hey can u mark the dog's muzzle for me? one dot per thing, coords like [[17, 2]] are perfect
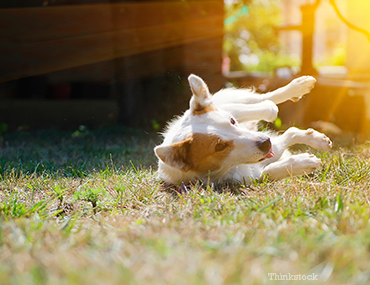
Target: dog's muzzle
[[265, 147]]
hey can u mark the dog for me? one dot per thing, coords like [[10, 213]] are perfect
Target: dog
[[214, 141]]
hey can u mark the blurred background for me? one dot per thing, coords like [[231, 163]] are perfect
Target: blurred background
[[101, 63]]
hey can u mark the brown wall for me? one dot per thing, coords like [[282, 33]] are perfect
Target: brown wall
[[137, 54]]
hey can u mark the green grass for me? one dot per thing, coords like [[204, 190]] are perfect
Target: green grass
[[87, 208]]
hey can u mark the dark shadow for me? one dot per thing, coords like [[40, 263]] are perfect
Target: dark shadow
[[75, 154]]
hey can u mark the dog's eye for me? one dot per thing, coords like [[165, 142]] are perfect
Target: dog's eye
[[232, 121], [220, 146]]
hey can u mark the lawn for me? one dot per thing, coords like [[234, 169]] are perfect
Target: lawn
[[85, 207]]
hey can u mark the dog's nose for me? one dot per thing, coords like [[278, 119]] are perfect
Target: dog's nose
[[264, 145]]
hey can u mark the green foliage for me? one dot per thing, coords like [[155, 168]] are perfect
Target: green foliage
[[91, 195], [155, 125], [278, 123], [14, 206], [251, 41], [59, 192], [3, 128], [336, 58]]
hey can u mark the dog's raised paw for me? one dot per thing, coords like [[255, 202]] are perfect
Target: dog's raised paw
[[301, 86]]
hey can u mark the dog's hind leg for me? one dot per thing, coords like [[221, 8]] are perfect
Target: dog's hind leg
[[266, 110], [293, 91], [236, 96], [294, 136]]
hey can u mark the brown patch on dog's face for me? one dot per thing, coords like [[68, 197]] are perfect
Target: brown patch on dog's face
[[198, 152], [200, 110], [207, 152]]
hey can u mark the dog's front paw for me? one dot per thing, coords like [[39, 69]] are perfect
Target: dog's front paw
[[301, 86], [318, 140], [304, 163]]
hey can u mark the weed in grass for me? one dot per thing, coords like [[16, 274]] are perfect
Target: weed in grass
[[59, 192], [91, 195], [13, 206]]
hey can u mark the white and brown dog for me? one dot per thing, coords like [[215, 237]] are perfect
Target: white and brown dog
[[210, 143]]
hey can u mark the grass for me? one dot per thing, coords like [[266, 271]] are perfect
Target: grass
[[86, 208]]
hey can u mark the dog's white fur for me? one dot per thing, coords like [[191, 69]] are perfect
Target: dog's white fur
[[213, 140]]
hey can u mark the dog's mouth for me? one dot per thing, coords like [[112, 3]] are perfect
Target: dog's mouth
[[268, 155]]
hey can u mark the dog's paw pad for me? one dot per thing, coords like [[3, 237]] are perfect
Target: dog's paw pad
[[327, 141], [309, 131]]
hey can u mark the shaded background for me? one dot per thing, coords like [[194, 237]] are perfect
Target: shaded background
[[67, 63], [101, 63]]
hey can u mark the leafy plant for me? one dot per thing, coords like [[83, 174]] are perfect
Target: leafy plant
[[251, 41], [59, 192], [91, 195]]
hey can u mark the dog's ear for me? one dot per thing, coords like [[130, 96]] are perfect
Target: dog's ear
[[175, 155], [201, 98]]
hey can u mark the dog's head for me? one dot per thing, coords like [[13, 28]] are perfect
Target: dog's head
[[208, 140]]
